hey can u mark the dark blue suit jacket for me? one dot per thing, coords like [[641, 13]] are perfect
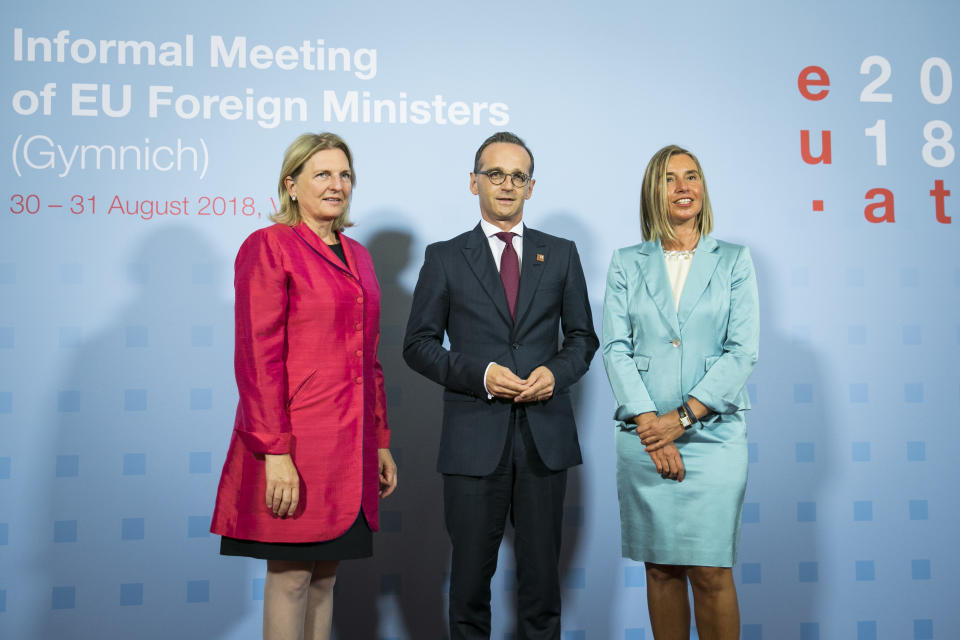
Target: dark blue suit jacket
[[459, 293]]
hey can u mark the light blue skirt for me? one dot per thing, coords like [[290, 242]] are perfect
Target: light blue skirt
[[694, 522]]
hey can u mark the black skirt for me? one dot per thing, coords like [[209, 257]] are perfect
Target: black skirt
[[357, 542]]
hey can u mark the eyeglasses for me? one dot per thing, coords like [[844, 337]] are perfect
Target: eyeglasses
[[495, 176]]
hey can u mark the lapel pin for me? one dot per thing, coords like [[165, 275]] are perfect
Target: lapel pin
[[540, 257]]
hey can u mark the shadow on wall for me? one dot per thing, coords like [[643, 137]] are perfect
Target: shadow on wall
[[793, 463], [590, 558], [144, 415], [406, 578]]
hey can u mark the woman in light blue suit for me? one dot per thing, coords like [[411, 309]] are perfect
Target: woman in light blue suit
[[680, 333]]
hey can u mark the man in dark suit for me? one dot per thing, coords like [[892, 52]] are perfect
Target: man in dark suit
[[502, 292]]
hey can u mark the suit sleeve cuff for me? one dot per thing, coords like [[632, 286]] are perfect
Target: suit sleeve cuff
[[626, 412], [271, 443]]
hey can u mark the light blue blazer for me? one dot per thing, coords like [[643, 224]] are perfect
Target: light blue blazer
[[657, 356]]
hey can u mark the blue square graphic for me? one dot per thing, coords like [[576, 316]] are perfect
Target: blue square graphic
[[750, 573], [857, 334], [863, 510], [202, 273], [753, 452], [5, 468], [68, 466], [509, 580], [799, 277], [860, 452], [635, 633], [70, 337], [198, 591], [4, 534], [139, 272], [131, 594], [804, 452], [864, 571], [855, 277], [867, 630], [800, 334], [65, 531], [134, 464], [751, 632], [913, 392], [575, 634], [923, 630], [806, 512], [391, 521], [68, 401], [808, 572], [6, 402], [71, 273], [198, 526], [909, 277], [573, 516], [135, 400], [751, 512], [391, 583], [6, 338], [394, 395], [137, 336], [911, 334], [201, 399], [132, 529], [634, 576], [256, 589], [919, 510], [200, 462], [916, 451], [575, 578], [803, 393], [858, 392], [63, 598], [809, 631], [8, 273], [920, 569], [201, 335]]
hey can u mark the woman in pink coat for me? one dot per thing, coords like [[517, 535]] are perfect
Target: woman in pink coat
[[309, 458]]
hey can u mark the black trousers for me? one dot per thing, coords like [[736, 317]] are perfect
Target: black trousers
[[476, 510]]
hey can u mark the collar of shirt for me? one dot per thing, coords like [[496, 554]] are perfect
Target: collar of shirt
[[497, 245]]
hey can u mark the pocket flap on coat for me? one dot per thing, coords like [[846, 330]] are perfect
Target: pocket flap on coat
[[642, 362]]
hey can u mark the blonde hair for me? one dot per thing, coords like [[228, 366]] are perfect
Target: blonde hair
[[654, 203], [297, 155]]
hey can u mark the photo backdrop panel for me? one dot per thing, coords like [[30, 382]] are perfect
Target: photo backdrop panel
[[143, 145]]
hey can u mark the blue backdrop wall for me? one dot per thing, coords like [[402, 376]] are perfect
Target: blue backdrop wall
[[142, 145]]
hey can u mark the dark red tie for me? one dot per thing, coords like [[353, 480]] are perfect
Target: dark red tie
[[510, 271]]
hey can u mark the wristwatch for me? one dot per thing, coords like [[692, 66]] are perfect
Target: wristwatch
[[685, 420]]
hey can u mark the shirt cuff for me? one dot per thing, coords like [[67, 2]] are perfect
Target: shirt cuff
[[489, 395]]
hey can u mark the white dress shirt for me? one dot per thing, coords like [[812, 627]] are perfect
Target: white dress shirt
[[497, 245]]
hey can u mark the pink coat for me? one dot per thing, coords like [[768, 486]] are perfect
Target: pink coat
[[307, 331]]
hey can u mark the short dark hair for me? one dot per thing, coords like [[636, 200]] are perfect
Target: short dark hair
[[502, 136]]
